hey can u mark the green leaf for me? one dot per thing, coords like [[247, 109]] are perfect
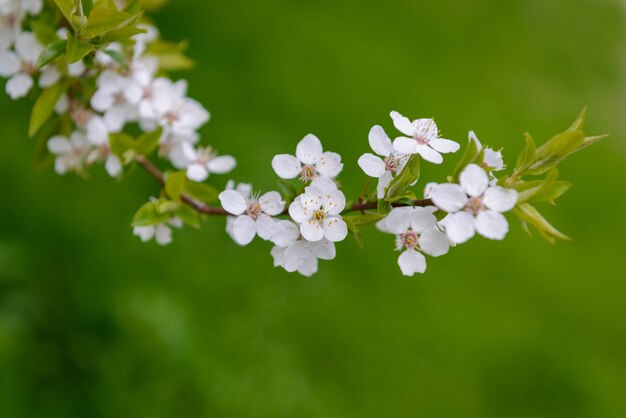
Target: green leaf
[[120, 143], [148, 142], [103, 20], [288, 189], [383, 207], [469, 156], [170, 55], [77, 49], [555, 150], [579, 123], [133, 6], [189, 216], [529, 215], [201, 191], [44, 107], [365, 219], [528, 154], [51, 52], [121, 34], [117, 57], [149, 214], [175, 184], [67, 7], [401, 182]]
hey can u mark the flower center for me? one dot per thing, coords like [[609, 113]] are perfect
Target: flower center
[[254, 209], [308, 172], [474, 205], [81, 116], [319, 215], [171, 117], [119, 98], [409, 239], [421, 139], [392, 163], [28, 67]]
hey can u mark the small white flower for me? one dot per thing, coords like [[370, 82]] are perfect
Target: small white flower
[[112, 163], [70, 152], [382, 168], [253, 213], [203, 161], [474, 206], [91, 123], [416, 232], [162, 233], [12, 13], [111, 99], [309, 163], [20, 66], [294, 253], [318, 213], [422, 137], [166, 103], [492, 160]]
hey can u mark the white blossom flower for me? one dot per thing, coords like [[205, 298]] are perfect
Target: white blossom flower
[[319, 214], [294, 253], [204, 161], [422, 137], [112, 163], [310, 161], [492, 160], [91, 123], [20, 66], [162, 233], [12, 13], [474, 206], [416, 233], [70, 152], [382, 168], [253, 213], [111, 98]]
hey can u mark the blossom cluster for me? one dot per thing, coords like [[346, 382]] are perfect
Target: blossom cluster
[[97, 83]]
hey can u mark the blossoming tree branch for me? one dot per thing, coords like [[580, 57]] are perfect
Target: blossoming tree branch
[[96, 70]]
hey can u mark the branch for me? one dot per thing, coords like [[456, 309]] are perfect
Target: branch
[[199, 207]]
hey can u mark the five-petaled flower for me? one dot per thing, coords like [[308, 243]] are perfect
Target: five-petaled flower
[[422, 137], [253, 213], [382, 168], [70, 152], [474, 206], [310, 162], [416, 233]]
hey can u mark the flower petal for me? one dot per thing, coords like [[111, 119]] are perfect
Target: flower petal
[[335, 229], [222, 164], [448, 197], [405, 145], [163, 234], [265, 226], [425, 128], [434, 242], [500, 199], [19, 85], [233, 202], [272, 203], [312, 230], [308, 267], [285, 233], [444, 145], [428, 153], [309, 150], [286, 166], [422, 219], [459, 226], [383, 183], [323, 249], [197, 172], [334, 202], [402, 124], [329, 164], [411, 262], [474, 180], [59, 145], [9, 63], [491, 224], [379, 141], [397, 221], [298, 212], [113, 165], [244, 230], [372, 165]]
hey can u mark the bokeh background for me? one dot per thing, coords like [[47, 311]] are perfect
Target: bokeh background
[[94, 323]]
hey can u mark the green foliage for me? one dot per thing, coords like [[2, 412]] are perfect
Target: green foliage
[[77, 49], [44, 107], [529, 215], [51, 52], [470, 155], [171, 55], [102, 20], [399, 187], [152, 213]]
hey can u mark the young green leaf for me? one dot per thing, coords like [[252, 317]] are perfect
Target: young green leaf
[[175, 184], [51, 52], [149, 214], [528, 154], [67, 7], [579, 123], [201, 191], [555, 150], [44, 107], [103, 20], [529, 215], [77, 49], [469, 156], [400, 184], [148, 142]]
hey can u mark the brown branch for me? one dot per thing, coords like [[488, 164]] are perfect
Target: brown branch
[[200, 207]]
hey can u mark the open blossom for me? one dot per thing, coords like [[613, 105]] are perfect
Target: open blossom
[[203, 161], [70, 152], [474, 206], [382, 168], [416, 233], [492, 160], [162, 233], [20, 66], [111, 98], [310, 161], [422, 137], [294, 253], [112, 163], [91, 123], [318, 211], [253, 213], [12, 13]]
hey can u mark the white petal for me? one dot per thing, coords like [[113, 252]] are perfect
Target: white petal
[[101, 100], [493, 159], [402, 124], [422, 219], [444, 145], [405, 145], [189, 151], [313, 198], [329, 164], [265, 226], [425, 128], [145, 233], [163, 235], [113, 165], [308, 267], [380, 142], [233, 202], [434, 242], [323, 183], [115, 118], [19, 85], [311, 230], [309, 150], [279, 256], [474, 180], [97, 131], [459, 226], [49, 76], [285, 233], [335, 229], [59, 145], [323, 249], [244, 230], [372, 165], [295, 255], [334, 202], [286, 166], [62, 105], [412, 262], [383, 183], [298, 212], [9, 63], [222, 164], [272, 203], [492, 225], [397, 222], [428, 153], [449, 197], [27, 47], [197, 172], [500, 199]]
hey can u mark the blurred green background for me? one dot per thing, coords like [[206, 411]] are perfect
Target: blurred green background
[[93, 323]]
